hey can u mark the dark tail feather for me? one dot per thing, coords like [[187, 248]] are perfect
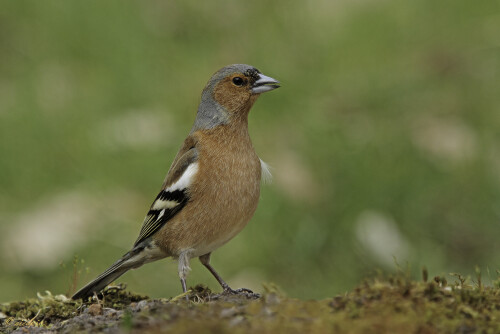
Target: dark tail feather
[[131, 260]]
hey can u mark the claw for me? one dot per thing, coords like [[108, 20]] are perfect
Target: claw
[[241, 292]]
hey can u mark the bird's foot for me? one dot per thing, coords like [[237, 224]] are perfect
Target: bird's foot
[[240, 292]]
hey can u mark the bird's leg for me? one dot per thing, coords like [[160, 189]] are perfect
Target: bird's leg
[[183, 270], [183, 283], [205, 260]]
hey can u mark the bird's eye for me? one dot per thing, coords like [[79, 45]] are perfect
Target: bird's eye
[[238, 81]]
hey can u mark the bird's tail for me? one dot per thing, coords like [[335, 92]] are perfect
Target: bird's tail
[[133, 259]]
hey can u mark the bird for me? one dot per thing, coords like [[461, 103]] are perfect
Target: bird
[[212, 188]]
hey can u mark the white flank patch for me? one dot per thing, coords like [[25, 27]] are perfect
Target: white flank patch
[[267, 177], [186, 179], [164, 204]]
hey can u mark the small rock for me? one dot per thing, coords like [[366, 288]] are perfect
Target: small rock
[[228, 312], [140, 306], [109, 312], [236, 321], [95, 309]]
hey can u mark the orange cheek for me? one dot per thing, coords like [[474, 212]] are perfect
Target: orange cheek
[[232, 98]]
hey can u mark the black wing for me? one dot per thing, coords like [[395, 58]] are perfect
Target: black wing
[[165, 206]]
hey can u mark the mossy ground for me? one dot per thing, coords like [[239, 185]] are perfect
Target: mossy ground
[[394, 304]]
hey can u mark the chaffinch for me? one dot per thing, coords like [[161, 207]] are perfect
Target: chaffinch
[[212, 188]]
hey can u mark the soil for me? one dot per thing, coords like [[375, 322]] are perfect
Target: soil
[[394, 304]]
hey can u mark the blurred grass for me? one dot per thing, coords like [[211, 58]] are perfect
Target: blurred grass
[[388, 110]]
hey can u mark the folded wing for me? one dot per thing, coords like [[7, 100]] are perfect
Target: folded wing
[[174, 195]]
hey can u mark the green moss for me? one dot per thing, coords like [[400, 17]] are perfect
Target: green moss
[[393, 304], [39, 312], [118, 298], [48, 309]]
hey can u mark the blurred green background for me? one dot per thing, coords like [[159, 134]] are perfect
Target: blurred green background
[[384, 138]]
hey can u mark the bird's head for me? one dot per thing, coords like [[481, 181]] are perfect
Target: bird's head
[[230, 93]]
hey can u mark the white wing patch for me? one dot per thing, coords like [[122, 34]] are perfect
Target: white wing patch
[[186, 179], [267, 177], [164, 204]]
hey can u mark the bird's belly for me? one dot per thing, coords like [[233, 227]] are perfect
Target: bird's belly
[[214, 215], [208, 246], [225, 220]]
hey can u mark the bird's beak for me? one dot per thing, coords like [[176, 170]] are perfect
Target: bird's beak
[[264, 84]]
